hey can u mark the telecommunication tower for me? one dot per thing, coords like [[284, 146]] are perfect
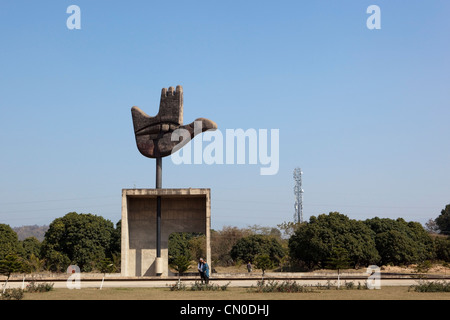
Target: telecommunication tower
[[298, 191]]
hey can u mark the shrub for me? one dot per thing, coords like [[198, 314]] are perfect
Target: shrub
[[431, 286], [208, 287], [285, 286], [349, 285], [32, 287], [179, 286], [12, 294], [424, 267]]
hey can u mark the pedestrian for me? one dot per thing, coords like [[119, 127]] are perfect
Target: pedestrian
[[200, 270], [205, 269], [249, 267]]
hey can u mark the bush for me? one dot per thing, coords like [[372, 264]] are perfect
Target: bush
[[32, 287], [431, 286], [327, 286], [285, 286], [179, 286], [208, 287], [423, 267], [12, 294]]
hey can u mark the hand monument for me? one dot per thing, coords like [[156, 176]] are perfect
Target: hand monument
[[154, 134]]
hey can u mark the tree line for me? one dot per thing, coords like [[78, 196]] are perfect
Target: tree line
[[326, 240], [86, 240]]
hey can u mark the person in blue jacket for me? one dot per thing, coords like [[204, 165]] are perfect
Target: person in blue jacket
[[205, 269]]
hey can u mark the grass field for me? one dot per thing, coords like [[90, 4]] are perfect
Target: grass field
[[386, 293]]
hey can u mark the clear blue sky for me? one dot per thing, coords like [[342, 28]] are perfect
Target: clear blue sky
[[365, 113]]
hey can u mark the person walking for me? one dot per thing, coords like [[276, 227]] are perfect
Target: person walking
[[200, 270], [249, 267], [205, 268]]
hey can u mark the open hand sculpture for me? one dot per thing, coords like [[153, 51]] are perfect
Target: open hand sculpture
[[154, 134]]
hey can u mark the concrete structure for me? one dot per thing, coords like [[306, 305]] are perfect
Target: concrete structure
[[182, 210]]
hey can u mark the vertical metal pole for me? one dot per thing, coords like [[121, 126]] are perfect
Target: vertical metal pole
[[158, 206], [158, 173]]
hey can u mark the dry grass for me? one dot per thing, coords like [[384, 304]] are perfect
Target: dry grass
[[436, 268], [386, 293]]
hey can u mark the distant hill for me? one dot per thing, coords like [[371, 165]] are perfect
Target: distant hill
[[24, 232]]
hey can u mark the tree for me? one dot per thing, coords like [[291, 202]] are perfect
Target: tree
[[222, 241], [197, 246], [80, 239], [116, 239], [54, 260], [181, 264], [312, 243], [247, 248], [31, 246], [289, 228], [265, 231], [443, 221], [399, 242], [105, 266], [263, 262], [442, 245], [339, 260], [9, 265], [9, 242], [34, 264], [431, 226], [396, 248], [182, 244]]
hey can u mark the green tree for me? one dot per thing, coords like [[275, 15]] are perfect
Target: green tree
[[442, 247], [183, 244], [80, 239], [263, 262], [181, 264], [179, 245], [31, 246], [312, 243], [105, 266], [339, 260], [247, 248], [443, 221], [396, 248], [9, 242], [54, 260], [116, 237], [399, 242], [9, 265], [34, 264]]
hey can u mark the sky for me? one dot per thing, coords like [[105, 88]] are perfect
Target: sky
[[364, 112]]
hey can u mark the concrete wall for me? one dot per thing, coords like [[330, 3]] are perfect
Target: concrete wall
[[182, 210]]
